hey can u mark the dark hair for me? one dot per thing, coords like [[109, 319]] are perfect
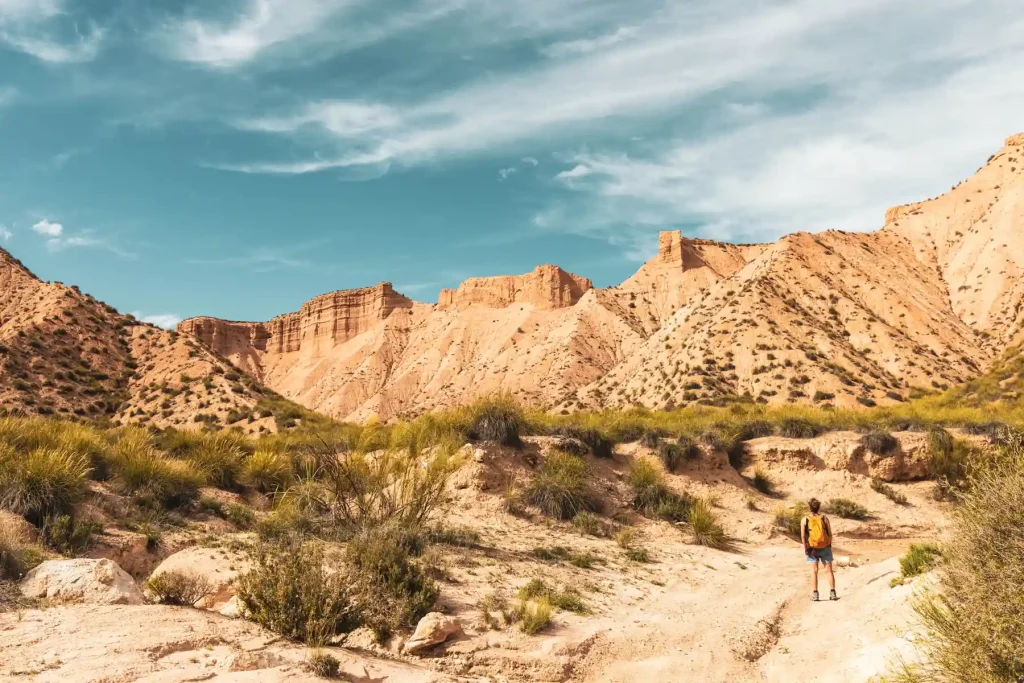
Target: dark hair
[[815, 505]]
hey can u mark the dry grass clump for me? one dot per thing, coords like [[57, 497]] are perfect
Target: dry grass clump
[[536, 599], [763, 482], [499, 418], [705, 527], [847, 509], [561, 488], [787, 520], [888, 491], [879, 442], [534, 614], [323, 664], [181, 589], [652, 496], [153, 478], [17, 554], [269, 471], [798, 428], [673, 455], [972, 621], [44, 483]]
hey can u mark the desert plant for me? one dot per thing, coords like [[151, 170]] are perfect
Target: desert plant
[[847, 509], [392, 592], [626, 538], [567, 600], [534, 615], [456, 536], [598, 444], [640, 555], [67, 535], [652, 496], [788, 520], [797, 428], [764, 482], [182, 589], [219, 458], [673, 455], [889, 492], [17, 554], [44, 483], [498, 418], [141, 470], [268, 471], [971, 623], [288, 591], [705, 527], [919, 558], [495, 603], [940, 442], [879, 442], [241, 516], [589, 524], [323, 664], [561, 487]]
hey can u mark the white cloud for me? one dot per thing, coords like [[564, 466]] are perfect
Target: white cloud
[[5, 234], [167, 321], [530, 161], [44, 28], [577, 171], [588, 45], [504, 173], [45, 227]]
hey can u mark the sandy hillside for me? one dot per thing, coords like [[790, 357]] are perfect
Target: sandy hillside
[[686, 613], [64, 353], [928, 301]]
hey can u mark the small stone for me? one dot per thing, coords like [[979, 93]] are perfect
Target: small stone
[[433, 629]]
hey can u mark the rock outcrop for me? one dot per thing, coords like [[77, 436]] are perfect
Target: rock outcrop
[[433, 629], [843, 451], [95, 582], [546, 287], [218, 567]]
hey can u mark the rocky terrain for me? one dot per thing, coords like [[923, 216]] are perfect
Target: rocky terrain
[[926, 302]]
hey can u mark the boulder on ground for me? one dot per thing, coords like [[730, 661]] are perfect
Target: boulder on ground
[[218, 566], [433, 629], [98, 582]]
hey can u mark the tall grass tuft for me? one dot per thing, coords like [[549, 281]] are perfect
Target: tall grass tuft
[[499, 418], [705, 527], [44, 483], [879, 442], [139, 469], [652, 496], [268, 471], [561, 488]]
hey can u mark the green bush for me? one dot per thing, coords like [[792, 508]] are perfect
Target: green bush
[[392, 592], [67, 535], [589, 524], [220, 460], [561, 487], [534, 615], [879, 442], [44, 483], [919, 558], [141, 470], [568, 600], [288, 591], [181, 589]]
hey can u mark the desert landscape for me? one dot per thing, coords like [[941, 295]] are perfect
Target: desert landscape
[[535, 479]]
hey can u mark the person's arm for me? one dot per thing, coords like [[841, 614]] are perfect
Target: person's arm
[[828, 527]]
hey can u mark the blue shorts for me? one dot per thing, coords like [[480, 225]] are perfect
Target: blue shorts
[[824, 555]]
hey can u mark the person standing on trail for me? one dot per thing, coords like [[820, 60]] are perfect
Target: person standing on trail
[[816, 535]]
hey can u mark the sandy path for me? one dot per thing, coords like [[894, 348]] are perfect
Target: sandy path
[[752, 620]]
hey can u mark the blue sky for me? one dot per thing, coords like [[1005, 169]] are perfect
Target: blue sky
[[236, 158]]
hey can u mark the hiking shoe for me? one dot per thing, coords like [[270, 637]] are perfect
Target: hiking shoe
[[814, 596], [832, 595]]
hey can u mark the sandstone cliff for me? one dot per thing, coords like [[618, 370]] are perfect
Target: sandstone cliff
[[928, 301]]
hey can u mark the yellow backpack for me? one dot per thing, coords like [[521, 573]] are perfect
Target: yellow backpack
[[818, 535]]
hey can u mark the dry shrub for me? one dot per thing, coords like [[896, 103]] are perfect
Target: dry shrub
[[972, 622], [847, 509], [879, 442], [787, 520], [182, 589], [498, 418], [889, 492], [673, 455], [798, 428], [652, 496], [322, 664], [139, 469], [705, 527], [289, 592], [17, 554]]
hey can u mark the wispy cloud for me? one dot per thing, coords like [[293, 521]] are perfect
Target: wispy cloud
[[58, 239], [168, 321], [45, 30], [5, 233]]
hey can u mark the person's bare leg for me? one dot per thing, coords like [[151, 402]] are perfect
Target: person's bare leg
[[831, 576], [814, 577]]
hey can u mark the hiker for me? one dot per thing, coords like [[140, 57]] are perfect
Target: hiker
[[816, 534]]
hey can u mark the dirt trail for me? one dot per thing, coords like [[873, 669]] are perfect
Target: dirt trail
[[753, 621]]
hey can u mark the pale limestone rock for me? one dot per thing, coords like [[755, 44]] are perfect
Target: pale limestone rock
[[220, 567], [433, 629], [99, 582]]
